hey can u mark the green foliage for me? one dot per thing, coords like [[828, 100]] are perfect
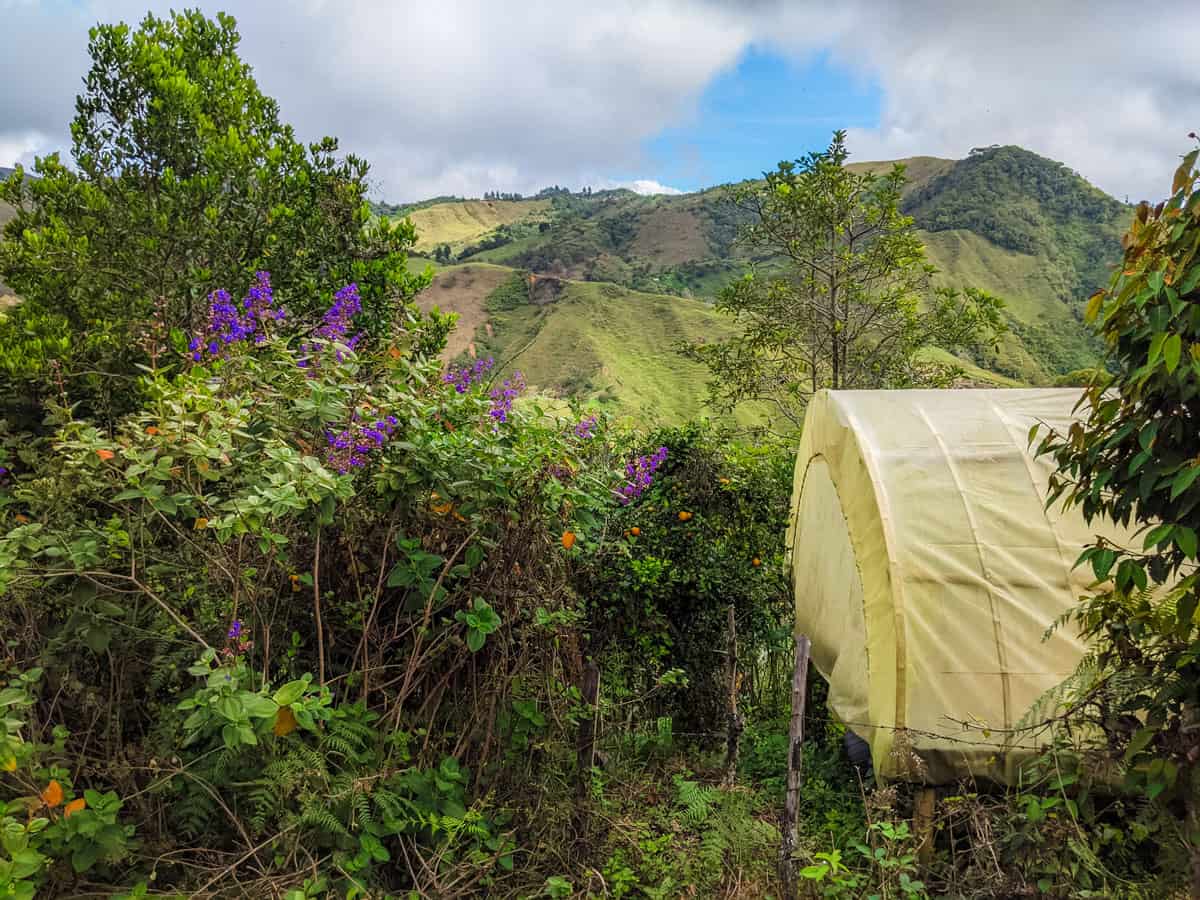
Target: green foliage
[[1029, 204], [703, 537], [1134, 460], [46, 819], [173, 142], [512, 293], [854, 303]]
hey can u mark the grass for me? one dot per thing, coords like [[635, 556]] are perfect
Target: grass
[[462, 222], [614, 346]]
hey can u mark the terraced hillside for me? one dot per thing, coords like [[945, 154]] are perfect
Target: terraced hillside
[[1003, 219]]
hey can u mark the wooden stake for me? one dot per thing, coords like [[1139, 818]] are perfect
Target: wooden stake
[[923, 824], [795, 761], [733, 739]]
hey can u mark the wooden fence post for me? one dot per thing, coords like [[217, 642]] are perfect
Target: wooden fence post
[[733, 738], [795, 759]]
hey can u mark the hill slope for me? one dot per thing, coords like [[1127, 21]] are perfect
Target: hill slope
[[604, 343], [1003, 219]]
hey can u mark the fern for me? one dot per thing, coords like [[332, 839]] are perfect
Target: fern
[[695, 799]]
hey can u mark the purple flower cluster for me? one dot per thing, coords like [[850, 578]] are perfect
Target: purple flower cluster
[[349, 448], [640, 472], [585, 428], [335, 324], [338, 318], [462, 378], [231, 323], [235, 630], [503, 396]]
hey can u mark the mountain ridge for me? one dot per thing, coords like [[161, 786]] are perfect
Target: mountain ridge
[[1003, 219]]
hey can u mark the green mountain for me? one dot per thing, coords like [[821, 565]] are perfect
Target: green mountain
[[1003, 219]]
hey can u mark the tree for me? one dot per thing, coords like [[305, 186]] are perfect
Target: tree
[[844, 297], [1135, 458], [185, 181]]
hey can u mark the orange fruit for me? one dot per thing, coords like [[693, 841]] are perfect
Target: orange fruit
[[635, 531], [756, 562], [568, 539], [684, 516]]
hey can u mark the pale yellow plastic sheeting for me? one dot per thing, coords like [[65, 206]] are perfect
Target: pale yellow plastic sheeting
[[927, 571]]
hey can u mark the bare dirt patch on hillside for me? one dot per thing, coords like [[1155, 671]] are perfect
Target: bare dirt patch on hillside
[[462, 290], [668, 236]]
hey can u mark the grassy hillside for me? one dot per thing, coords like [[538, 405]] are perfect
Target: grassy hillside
[[608, 344], [461, 223], [1003, 219]]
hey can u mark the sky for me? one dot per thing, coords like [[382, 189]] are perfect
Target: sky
[[465, 96]]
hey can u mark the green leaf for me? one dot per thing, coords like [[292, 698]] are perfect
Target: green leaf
[[1141, 738], [1185, 540], [290, 693], [230, 707], [1158, 535], [1171, 350], [1102, 563], [259, 707], [475, 639], [1184, 480], [1156, 344]]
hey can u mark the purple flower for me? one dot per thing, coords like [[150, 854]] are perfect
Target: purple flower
[[584, 430], [335, 324], [640, 472], [338, 318], [235, 630], [348, 448], [503, 396], [463, 377], [231, 323]]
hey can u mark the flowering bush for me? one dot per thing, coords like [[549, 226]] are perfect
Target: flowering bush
[[282, 555]]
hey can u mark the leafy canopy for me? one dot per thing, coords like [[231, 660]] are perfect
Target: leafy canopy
[[1135, 459], [851, 306], [184, 179]]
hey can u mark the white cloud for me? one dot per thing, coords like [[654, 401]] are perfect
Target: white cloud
[[1105, 89], [472, 95], [646, 186]]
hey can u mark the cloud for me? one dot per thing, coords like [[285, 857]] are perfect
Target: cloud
[[641, 186], [1099, 86], [474, 95]]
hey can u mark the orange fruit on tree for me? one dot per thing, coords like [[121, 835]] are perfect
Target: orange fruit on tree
[[756, 562], [635, 531], [684, 516]]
